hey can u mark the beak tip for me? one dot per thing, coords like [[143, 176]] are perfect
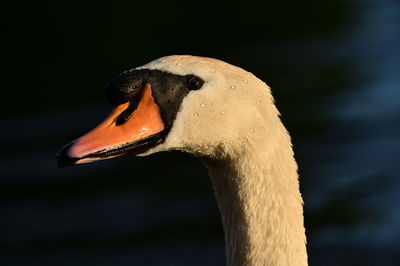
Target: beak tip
[[63, 159]]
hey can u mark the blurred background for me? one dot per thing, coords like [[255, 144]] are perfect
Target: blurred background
[[334, 67]]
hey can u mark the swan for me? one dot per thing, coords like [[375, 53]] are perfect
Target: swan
[[225, 116]]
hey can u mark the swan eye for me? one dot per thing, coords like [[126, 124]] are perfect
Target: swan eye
[[195, 83]]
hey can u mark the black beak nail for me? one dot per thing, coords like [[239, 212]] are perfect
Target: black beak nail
[[62, 157]]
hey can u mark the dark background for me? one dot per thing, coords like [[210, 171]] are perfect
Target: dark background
[[334, 67]]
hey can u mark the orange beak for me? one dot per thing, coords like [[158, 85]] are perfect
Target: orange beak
[[140, 129]]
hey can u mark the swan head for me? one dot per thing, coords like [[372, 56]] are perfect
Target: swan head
[[193, 104]]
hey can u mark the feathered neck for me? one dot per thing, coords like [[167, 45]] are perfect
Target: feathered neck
[[261, 208]]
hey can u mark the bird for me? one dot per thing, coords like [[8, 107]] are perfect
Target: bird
[[227, 117]]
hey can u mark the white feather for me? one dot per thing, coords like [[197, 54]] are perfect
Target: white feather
[[234, 126]]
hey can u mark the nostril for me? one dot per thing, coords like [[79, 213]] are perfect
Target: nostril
[[126, 114]]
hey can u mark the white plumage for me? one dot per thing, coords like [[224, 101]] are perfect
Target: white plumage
[[234, 126]]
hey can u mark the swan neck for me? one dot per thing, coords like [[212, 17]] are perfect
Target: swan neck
[[261, 206]]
